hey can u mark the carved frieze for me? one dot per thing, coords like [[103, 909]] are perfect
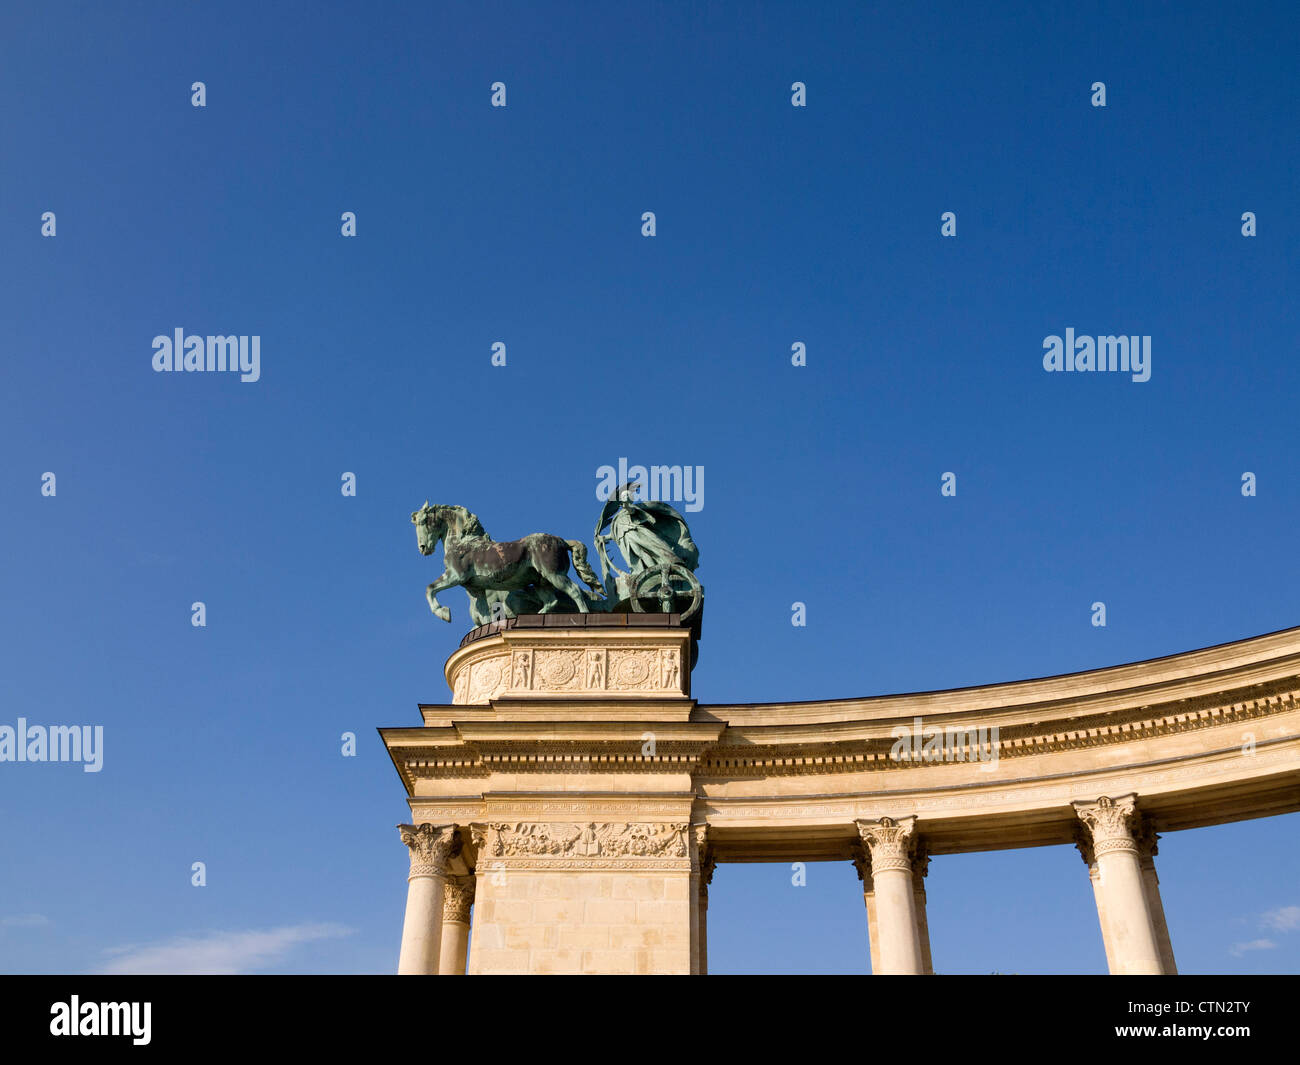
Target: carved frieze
[[524, 670], [488, 678], [557, 670], [577, 844]]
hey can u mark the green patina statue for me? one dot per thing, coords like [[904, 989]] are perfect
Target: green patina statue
[[656, 545], [531, 575]]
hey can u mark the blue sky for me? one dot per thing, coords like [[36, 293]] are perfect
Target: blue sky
[[476, 224]]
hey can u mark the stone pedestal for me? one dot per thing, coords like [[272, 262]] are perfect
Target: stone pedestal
[[567, 755], [588, 895], [585, 658]]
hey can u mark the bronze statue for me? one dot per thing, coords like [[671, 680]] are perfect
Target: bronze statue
[[537, 565], [531, 575]]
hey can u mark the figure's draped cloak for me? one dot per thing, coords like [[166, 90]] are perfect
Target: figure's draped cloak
[[652, 531]]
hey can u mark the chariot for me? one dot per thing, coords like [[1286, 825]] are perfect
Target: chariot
[[662, 576]]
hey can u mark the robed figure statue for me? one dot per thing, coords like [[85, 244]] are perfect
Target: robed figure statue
[[654, 541]]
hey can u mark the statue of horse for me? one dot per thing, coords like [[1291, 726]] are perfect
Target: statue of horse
[[532, 572]]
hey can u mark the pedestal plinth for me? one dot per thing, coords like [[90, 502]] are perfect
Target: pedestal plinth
[[585, 657]]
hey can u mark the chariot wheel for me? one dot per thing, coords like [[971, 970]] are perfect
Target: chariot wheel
[[664, 584]]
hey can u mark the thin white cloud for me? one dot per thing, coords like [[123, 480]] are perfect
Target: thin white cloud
[[1238, 949], [217, 953], [1283, 919], [24, 920]]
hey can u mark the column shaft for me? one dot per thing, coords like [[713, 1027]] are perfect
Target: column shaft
[[701, 876], [704, 931], [922, 928], [422, 927], [896, 939], [873, 929], [458, 897], [1151, 882], [900, 947], [1094, 875], [430, 847], [1123, 911], [1127, 912], [455, 942]]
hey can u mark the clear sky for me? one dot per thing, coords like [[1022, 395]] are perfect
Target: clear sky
[[523, 225]]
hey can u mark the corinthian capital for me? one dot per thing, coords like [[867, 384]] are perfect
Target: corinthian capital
[[862, 864], [890, 843], [703, 854], [1111, 824], [1147, 839], [457, 898], [920, 864], [431, 846]]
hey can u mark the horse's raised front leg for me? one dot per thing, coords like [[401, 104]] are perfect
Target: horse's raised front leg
[[431, 593]]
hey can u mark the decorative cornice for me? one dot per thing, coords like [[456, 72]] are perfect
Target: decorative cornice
[[541, 756], [1014, 741], [476, 748], [748, 756]]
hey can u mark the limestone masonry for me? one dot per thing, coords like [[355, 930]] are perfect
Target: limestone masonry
[[569, 805]]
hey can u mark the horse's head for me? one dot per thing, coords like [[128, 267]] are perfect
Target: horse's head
[[430, 527]]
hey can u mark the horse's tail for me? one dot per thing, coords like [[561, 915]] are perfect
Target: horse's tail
[[581, 564]]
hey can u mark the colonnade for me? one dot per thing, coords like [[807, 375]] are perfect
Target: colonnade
[[1118, 846], [435, 931], [1117, 843]]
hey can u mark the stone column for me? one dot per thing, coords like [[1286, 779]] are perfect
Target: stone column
[[862, 864], [457, 898], [891, 846], [1084, 842], [920, 868], [1125, 916], [705, 864], [430, 846], [1147, 840]]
